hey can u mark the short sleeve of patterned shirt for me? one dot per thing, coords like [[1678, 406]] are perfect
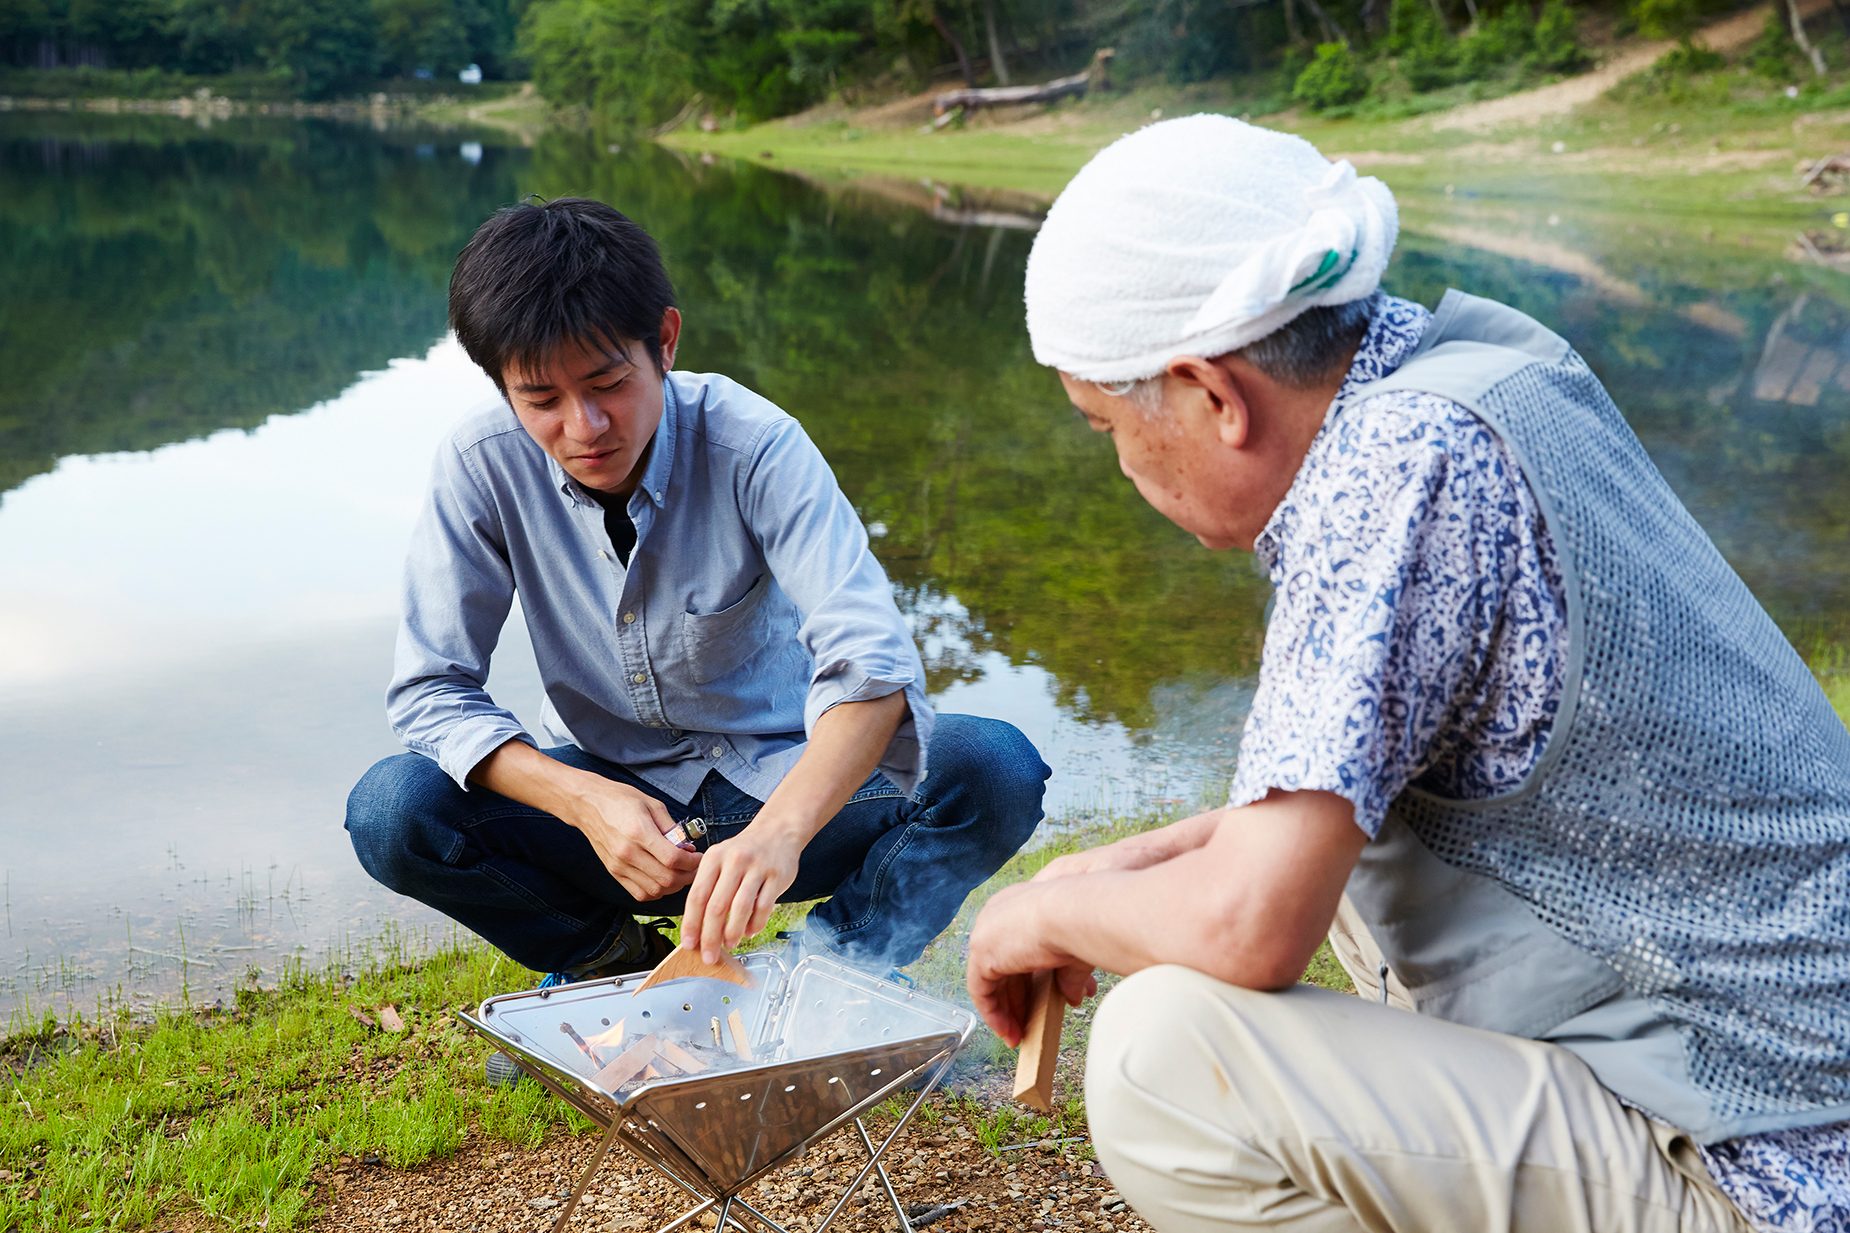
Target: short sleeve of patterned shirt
[[1418, 631]]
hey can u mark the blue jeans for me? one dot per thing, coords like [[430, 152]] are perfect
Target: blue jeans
[[895, 869]]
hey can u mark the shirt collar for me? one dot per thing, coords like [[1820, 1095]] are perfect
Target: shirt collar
[[655, 476], [1393, 335]]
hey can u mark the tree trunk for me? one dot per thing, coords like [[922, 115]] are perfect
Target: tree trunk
[[1332, 33], [950, 36], [1471, 8], [1805, 45], [1372, 21], [1843, 14], [1293, 32], [997, 64]]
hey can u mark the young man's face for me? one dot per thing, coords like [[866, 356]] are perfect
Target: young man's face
[[593, 410]]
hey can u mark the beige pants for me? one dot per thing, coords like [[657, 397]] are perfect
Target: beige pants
[[1219, 1108]]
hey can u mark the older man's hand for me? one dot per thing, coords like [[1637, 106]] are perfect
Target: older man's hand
[[1008, 945]]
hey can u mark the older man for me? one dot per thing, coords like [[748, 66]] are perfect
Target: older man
[[1523, 745]]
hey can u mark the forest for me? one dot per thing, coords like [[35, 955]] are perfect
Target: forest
[[302, 48], [644, 63]]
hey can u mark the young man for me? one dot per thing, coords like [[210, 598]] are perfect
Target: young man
[[739, 706], [1522, 744]]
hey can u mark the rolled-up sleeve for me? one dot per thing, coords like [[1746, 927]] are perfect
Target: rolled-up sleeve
[[458, 589], [818, 552]]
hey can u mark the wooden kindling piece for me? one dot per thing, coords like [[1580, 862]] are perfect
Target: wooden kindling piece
[[684, 962], [1040, 1044]]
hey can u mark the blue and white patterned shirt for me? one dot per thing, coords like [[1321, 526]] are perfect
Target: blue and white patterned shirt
[[1419, 638]]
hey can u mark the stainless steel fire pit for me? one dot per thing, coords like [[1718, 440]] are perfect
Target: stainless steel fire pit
[[825, 1043]]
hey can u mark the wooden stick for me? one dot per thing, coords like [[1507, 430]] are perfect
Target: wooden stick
[[630, 1063], [1040, 1045], [583, 1047], [741, 1043], [684, 962], [667, 1051]]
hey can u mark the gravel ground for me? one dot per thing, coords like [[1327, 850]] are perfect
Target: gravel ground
[[487, 1187]]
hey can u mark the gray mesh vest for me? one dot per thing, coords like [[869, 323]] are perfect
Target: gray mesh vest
[[1668, 893]]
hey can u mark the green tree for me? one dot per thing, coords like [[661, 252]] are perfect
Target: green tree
[[325, 47], [628, 60], [421, 34], [1334, 78]]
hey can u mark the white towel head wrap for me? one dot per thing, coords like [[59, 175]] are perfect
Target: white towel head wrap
[[1198, 236]]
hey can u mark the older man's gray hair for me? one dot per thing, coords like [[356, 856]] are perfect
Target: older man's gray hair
[[1304, 352]]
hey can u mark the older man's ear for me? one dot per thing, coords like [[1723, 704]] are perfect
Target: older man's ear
[[1216, 392]]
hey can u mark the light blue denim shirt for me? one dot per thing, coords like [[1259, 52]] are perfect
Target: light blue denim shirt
[[750, 606]]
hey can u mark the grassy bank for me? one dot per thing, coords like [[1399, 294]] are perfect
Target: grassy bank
[[236, 1117], [1637, 136]]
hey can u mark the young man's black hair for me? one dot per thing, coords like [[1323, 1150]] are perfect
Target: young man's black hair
[[537, 276]]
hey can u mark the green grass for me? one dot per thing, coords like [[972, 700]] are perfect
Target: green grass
[[226, 1113]]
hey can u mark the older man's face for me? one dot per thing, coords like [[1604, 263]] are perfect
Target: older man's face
[[1177, 460]]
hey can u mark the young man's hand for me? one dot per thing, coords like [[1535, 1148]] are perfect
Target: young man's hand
[[738, 885], [629, 831]]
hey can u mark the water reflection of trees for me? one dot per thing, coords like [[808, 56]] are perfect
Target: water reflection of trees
[[167, 283], [1733, 374]]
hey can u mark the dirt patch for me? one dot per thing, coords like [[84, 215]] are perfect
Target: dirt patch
[[938, 1165], [1544, 102]]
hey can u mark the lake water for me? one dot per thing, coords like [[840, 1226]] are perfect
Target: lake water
[[226, 371]]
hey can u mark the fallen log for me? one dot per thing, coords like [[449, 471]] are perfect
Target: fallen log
[[1095, 76], [1819, 173]]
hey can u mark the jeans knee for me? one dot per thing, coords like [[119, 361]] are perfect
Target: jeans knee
[[383, 808], [998, 766]]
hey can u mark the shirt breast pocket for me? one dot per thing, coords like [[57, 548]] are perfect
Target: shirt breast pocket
[[718, 642]]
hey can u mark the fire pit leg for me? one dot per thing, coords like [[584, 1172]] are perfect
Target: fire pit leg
[[725, 1216], [584, 1179], [874, 1153], [886, 1183]]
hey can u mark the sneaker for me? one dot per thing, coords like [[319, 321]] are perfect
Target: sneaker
[[639, 946]]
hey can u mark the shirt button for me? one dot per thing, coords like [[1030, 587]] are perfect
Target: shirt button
[[658, 496], [640, 677], [716, 751], [629, 618]]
